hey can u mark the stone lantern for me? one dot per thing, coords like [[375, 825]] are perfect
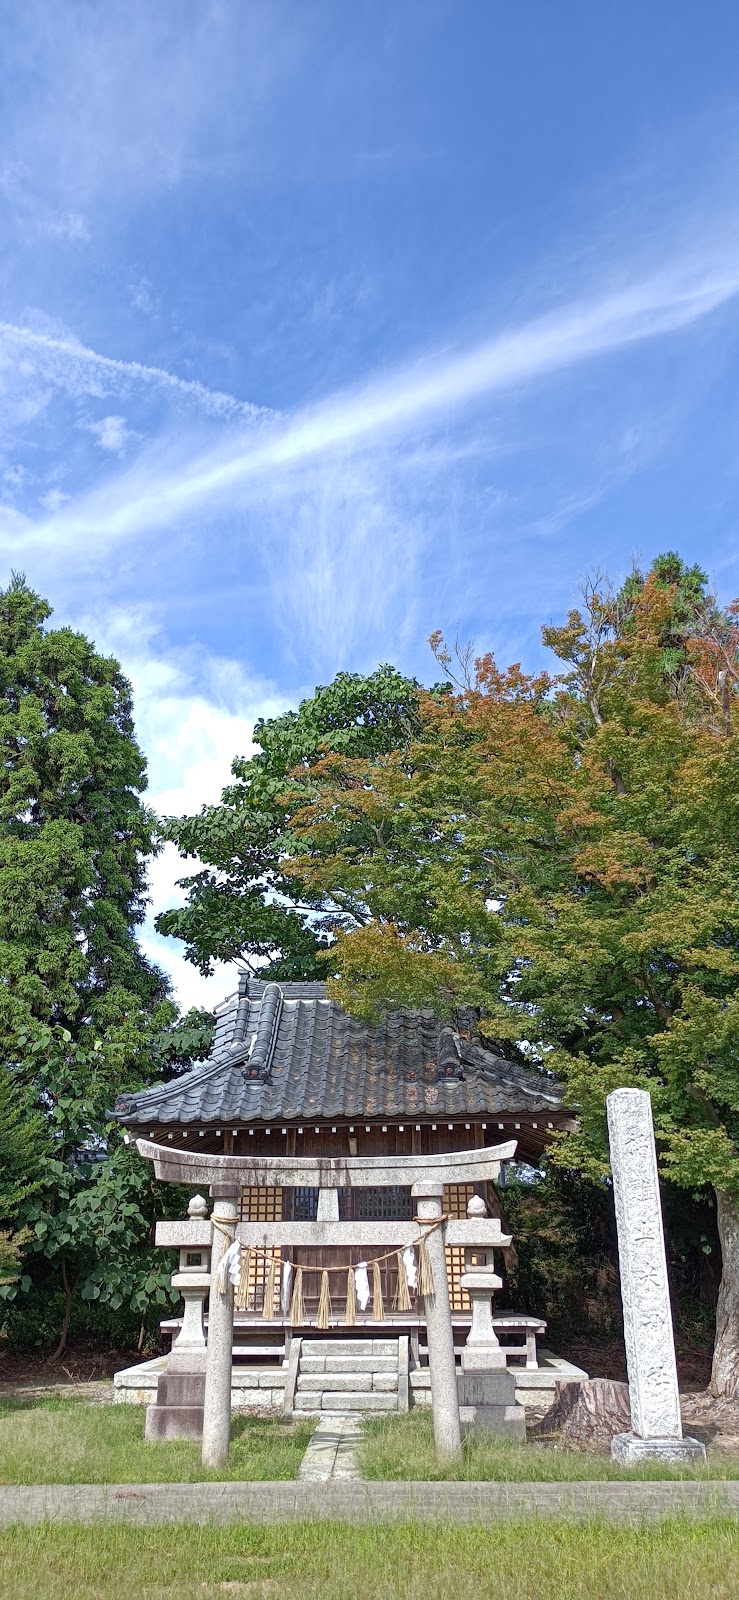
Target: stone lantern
[[177, 1412], [193, 1282], [482, 1352], [487, 1390]]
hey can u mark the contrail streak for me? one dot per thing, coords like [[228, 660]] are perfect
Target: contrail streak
[[541, 347]]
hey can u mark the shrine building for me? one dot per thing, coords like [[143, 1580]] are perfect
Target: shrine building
[[292, 1074]]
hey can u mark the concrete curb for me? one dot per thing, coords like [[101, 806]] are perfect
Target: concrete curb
[[348, 1501]]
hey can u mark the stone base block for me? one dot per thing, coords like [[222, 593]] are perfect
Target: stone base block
[[181, 1389], [506, 1422], [630, 1451], [483, 1389], [482, 1358], [177, 1412], [173, 1422], [257, 1399], [186, 1360]]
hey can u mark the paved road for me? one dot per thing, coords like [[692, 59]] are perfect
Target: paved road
[[346, 1500]]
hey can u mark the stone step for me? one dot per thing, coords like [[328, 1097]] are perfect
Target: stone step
[[348, 1363], [347, 1382], [328, 1400], [349, 1347]]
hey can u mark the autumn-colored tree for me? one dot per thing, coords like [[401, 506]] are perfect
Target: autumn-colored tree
[[563, 852]]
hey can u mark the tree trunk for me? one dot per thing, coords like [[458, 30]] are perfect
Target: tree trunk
[[725, 1370], [68, 1289], [588, 1413]]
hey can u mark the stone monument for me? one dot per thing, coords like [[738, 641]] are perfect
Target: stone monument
[[657, 1433]]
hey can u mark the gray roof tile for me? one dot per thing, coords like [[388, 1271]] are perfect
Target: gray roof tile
[[282, 1054]]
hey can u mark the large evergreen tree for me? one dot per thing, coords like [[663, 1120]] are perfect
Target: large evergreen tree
[[74, 833], [81, 1009]]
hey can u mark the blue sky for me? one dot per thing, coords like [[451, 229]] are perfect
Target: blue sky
[[325, 325]]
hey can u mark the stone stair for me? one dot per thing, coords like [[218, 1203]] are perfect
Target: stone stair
[[352, 1375]]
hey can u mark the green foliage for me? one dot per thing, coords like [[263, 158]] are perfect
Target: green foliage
[[89, 1218], [22, 1152], [563, 854], [565, 1246], [240, 906], [74, 835], [83, 1014]]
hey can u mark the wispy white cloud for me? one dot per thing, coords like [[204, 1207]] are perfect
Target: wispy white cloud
[[111, 433], [53, 499], [61, 360], [436, 386]]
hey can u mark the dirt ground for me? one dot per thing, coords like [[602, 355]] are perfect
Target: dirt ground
[[79, 1364], [607, 1359]]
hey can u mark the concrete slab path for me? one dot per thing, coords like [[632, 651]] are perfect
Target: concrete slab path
[[363, 1502], [331, 1452]]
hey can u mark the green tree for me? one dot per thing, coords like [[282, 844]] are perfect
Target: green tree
[[563, 854], [83, 1014], [23, 1147], [74, 833], [88, 1216], [239, 904]]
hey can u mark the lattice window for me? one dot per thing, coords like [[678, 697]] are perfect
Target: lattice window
[[381, 1205], [305, 1203], [260, 1205], [456, 1196]]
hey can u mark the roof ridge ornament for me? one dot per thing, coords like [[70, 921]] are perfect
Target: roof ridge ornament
[[258, 1065], [448, 1058]]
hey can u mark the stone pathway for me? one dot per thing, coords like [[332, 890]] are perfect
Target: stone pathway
[[481, 1503], [332, 1450]]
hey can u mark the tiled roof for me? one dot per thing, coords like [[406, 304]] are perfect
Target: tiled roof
[[284, 1053]]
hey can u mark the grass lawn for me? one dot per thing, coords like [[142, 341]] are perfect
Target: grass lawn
[[403, 1447], [336, 1561], [66, 1441]]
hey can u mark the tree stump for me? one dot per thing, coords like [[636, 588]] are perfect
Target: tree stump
[[588, 1413]]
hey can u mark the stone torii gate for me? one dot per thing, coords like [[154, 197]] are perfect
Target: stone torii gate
[[426, 1176]]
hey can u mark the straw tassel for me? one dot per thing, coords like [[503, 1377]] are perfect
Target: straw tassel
[[350, 1314], [297, 1307], [241, 1297], [402, 1298], [324, 1303], [378, 1309], [270, 1285], [425, 1275]]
